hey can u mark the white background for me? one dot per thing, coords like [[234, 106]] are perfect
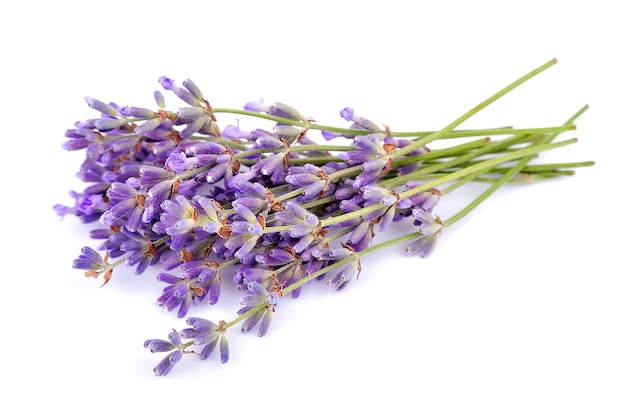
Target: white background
[[521, 303]]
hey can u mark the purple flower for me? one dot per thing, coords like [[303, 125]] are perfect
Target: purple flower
[[289, 265], [258, 295], [277, 109], [181, 92], [247, 274], [288, 132], [179, 216], [246, 229], [89, 259], [346, 271], [430, 226], [274, 166], [141, 251], [178, 294], [137, 112], [425, 200], [233, 132], [205, 277], [166, 82], [107, 124], [314, 180], [423, 245], [276, 257], [104, 108], [154, 128], [157, 194], [171, 345], [347, 113], [368, 149], [372, 154], [305, 226], [361, 237], [127, 207], [375, 194], [88, 205], [210, 215], [208, 334], [359, 122], [63, 210], [191, 113], [193, 89], [178, 162], [426, 222], [254, 196]]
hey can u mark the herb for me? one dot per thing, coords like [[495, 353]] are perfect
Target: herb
[[271, 208]]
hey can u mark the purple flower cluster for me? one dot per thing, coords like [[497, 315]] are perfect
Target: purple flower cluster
[[269, 211], [264, 208]]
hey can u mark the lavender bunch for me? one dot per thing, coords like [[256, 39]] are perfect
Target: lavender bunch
[[271, 210]]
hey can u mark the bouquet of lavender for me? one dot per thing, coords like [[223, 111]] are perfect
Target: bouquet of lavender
[[269, 211]]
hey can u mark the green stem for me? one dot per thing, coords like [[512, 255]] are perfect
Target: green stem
[[486, 132], [555, 166], [444, 131], [509, 174], [491, 147], [440, 153]]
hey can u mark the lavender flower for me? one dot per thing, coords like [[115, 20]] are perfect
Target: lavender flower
[[314, 180], [289, 264], [246, 231], [178, 294], [346, 271], [171, 345], [305, 226], [426, 222], [268, 206], [127, 207], [209, 335], [359, 122], [372, 154], [182, 93], [423, 245], [277, 109], [258, 295], [89, 259], [207, 279]]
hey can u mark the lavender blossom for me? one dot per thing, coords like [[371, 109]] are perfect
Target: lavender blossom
[[90, 260], [277, 109], [346, 271], [372, 154], [359, 122], [246, 229], [178, 294], [258, 295], [181, 92], [171, 345], [267, 206], [314, 180], [423, 245], [209, 335], [289, 263], [207, 279], [127, 207], [305, 226]]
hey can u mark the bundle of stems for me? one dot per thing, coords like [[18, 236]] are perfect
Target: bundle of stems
[[271, 208]]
